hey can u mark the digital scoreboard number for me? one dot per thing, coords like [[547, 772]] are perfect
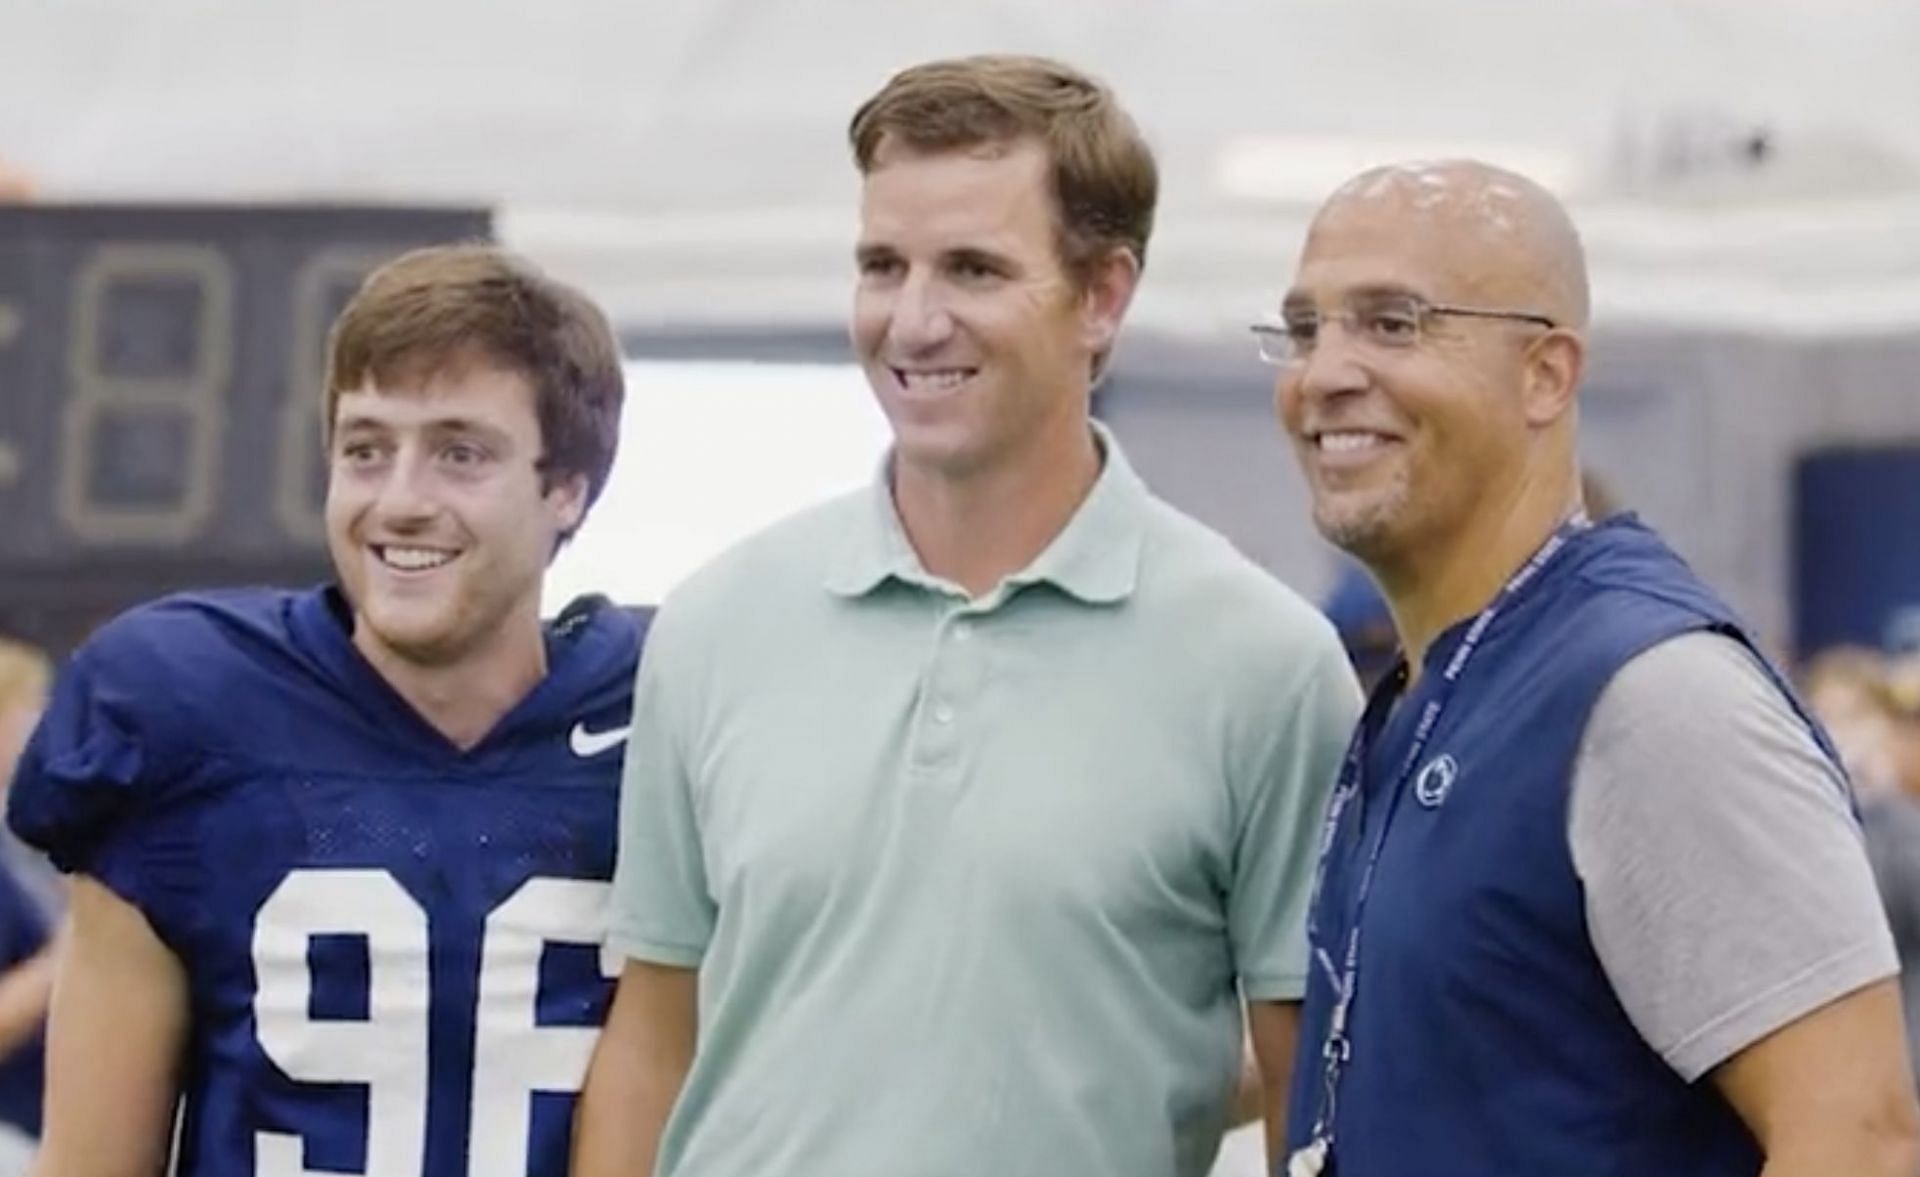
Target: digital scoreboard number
[[160, 371]]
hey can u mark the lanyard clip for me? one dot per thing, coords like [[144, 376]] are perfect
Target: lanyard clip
[[1338, 1048]]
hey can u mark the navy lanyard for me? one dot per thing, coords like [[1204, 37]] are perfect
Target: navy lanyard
[[1338, 1047]]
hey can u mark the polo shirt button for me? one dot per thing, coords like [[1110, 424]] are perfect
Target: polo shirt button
[[942, 713], [962, 632]]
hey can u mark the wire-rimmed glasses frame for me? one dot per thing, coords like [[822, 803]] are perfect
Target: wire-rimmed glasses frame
[[1396, 322]]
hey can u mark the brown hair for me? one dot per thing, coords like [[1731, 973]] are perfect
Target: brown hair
[[438, 307], [1105, 181]]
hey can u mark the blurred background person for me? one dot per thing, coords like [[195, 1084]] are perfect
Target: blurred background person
[[1854, 692], [1360, 616], [1851, 689], [26, 955], [1903, 698]]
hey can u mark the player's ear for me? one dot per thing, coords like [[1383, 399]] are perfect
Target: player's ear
[[567, 499], [1104, 302], [1552, 375]]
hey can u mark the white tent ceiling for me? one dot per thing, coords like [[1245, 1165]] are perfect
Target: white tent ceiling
[[685, 157]]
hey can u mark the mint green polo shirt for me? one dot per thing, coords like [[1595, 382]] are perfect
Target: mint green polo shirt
[[973, 885]]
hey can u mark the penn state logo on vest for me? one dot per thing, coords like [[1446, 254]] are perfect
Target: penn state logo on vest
[[1435, 781]]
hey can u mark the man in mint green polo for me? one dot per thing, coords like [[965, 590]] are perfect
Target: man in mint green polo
[[964, 815]]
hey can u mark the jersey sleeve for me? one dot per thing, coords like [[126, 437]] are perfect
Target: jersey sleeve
[[90, 771]]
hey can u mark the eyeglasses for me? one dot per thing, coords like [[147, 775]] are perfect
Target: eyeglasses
[[1393, 322]]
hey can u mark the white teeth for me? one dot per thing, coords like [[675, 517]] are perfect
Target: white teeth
[[1347, 443], [935, 381], [413, 559]]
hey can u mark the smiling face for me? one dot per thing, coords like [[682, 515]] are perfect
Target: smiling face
[[1410, 427], [975, 340], [439, 521], [1395, 442]]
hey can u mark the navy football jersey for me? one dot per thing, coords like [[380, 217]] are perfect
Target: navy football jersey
[[393, 946]]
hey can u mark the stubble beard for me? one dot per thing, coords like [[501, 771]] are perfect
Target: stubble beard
[[1362, 524]]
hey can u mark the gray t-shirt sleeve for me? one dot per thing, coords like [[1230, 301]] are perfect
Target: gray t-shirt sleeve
[[1727, 888]]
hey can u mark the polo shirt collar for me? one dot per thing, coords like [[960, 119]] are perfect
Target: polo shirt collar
[[1095, 558]]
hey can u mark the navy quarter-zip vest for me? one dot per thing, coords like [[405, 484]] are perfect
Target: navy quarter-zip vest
[[1486, 1039]]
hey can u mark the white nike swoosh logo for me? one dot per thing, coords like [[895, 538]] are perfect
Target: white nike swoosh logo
[[585, 743]]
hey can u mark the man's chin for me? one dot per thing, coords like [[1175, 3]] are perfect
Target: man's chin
[[940, 452], [422, 641], [1361, 533]]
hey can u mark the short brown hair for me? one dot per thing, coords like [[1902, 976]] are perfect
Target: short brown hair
[[444, 305], [1105, 181]]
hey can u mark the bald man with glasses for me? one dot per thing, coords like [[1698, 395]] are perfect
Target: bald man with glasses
[[1592, 896]]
